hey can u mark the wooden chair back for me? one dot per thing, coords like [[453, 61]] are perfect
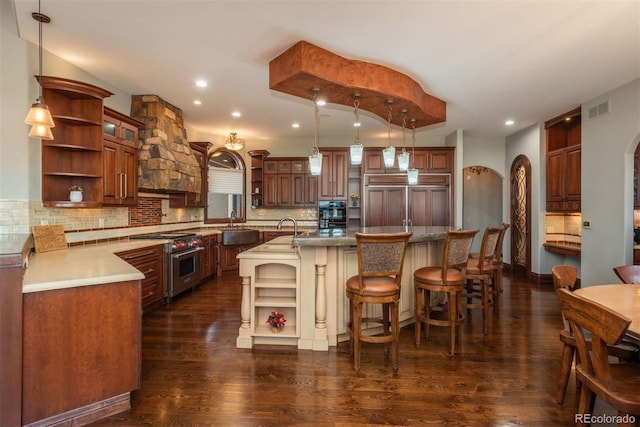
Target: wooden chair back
[[606, 327], [497, 255], [381, 254], [628, 273], [487, 250], [564, 277], [457, 246]]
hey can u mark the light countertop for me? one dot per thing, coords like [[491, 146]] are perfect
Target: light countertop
[[82, 266], [347, 238]]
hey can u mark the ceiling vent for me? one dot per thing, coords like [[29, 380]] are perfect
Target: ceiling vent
[[598, 110]]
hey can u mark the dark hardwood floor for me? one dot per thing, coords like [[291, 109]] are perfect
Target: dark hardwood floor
[[193, 375]]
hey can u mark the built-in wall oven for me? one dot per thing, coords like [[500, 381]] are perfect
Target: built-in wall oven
[[332, 214], [182, 254]]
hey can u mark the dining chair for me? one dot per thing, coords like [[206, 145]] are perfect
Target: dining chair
[[565, 277], [617, 384], [628, 273], [380, 261], [449, 278], [480, 270]]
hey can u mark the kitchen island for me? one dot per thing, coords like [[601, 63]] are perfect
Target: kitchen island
[[306, 276]]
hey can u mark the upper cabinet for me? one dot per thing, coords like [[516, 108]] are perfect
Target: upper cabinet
[[288, 183], [563, 134], [425, 159], [333, 182], [75, 155], [120, 158]]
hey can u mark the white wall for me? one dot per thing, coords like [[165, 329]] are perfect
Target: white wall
[[608, 143]]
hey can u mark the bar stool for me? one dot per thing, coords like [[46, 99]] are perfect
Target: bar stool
[[481, 270], [449, 278], [498, 263], [380, 261]]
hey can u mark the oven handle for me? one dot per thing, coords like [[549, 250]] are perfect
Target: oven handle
[[192, 251]]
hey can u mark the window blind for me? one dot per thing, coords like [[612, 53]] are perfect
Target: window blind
[[225, 181]]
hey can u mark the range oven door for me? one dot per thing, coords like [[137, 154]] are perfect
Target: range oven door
[[184, 271]]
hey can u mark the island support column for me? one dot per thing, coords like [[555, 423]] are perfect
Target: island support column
[[320, 339], [245, 340]]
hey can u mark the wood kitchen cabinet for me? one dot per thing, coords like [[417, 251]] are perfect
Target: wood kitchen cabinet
[[425, 159], [388, 201], [120, 158], [210, 256], [74, 156], [563, 134], [149, 261], [81, 352], [288, 183], [333, 181], [385, 206], [228, 254]]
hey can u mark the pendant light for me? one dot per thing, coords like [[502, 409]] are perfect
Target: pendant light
[[356, 147], [233, 143], [315, 159], [403, 158], [389, 153], [412, 174], [39, 116]]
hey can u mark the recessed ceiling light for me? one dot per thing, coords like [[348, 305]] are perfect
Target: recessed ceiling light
[[356, 124], [295, 125], [236, 114], [197, 102], [201, 83], [321, 102], [509, 122]]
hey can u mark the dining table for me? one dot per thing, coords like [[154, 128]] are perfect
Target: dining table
[[622, 298]]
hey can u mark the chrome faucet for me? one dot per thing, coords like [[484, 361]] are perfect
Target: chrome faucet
[[295, 224], [231, 216]]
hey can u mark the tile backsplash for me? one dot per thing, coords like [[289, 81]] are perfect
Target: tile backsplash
[[563, 228]]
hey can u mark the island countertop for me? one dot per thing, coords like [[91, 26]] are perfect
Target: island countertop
[[339, 237]]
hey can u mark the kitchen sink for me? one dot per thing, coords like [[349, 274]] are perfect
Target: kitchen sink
[[240, 236]]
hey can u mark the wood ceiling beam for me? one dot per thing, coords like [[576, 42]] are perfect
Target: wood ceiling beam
[[304, 67]]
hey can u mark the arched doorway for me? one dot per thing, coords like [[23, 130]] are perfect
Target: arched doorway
[[481, 200], [520, 181]]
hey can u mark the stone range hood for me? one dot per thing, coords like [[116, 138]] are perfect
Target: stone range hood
[[166, 162]]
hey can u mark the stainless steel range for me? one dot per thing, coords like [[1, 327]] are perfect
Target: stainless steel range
[[183, 260]]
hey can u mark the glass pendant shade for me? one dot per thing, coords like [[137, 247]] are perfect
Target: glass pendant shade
[[41, 131], [356, 154], [403, 161], [412, 176], [39, 115], [315, 163], [389, 155]]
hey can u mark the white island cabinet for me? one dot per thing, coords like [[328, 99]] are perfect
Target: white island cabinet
[[270, 282], [305, 278]]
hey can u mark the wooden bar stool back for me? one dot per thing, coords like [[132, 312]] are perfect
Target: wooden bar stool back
[[480, 270], [449, 278], [617, 384], [498, 263], [380, 261]]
